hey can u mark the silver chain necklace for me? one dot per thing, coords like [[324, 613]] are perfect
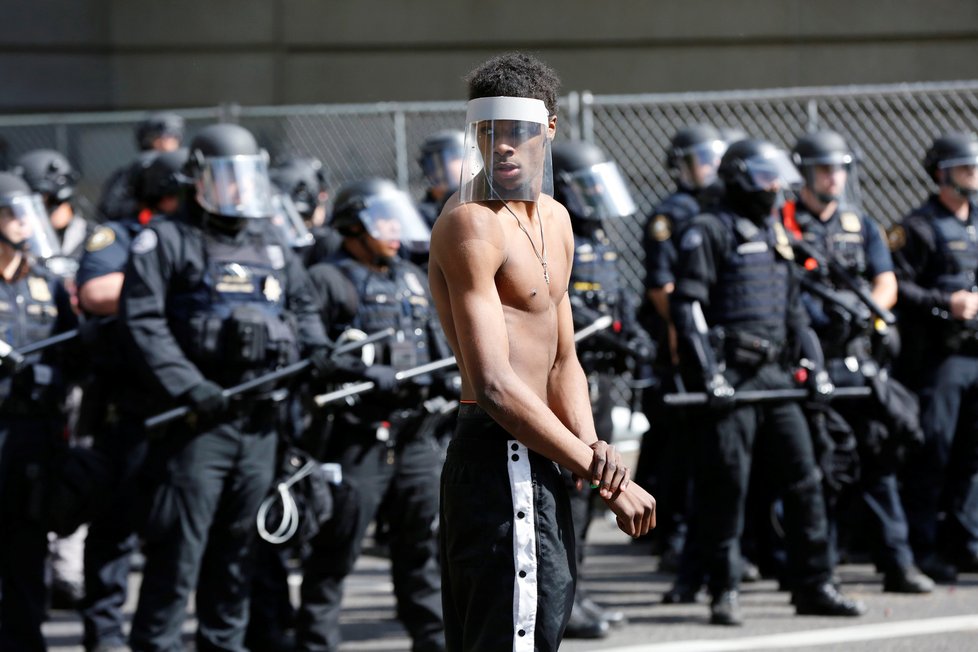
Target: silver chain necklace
[[543, 242]]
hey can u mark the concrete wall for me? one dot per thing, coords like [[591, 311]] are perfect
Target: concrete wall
[[120, 54]]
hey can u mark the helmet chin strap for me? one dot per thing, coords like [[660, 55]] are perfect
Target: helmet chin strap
[[18, 246]]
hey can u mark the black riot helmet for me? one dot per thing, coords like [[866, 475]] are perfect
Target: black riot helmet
[[305, 181], [693, 155], [441, 159], [34, 232], [378, 208], [950, 151], [755, 174], [587, 183], [158, 125], [49, 174], [230, 172], [160, 176], [822, 148]]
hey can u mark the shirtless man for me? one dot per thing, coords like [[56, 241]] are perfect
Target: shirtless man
[[501, 293]]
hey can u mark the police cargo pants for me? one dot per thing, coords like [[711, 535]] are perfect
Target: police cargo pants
[[201, 533], [776, 436]]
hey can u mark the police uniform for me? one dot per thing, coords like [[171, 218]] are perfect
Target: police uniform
[[33, 306], [852, 357], [112, 412], [386, 450], [203, 304], [663, 462], [937, 254], [729, 266], [595, 290]]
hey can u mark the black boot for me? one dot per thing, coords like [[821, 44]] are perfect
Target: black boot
[[725, 610], [825, 600], [583, 624], [680, 593], [615, 617], [907, 580]]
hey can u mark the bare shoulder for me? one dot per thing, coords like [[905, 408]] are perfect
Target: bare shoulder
[[463, 226]]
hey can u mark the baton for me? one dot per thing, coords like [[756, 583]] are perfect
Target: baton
[[764, 396], [599, 324], [278, 374], [48, 342]]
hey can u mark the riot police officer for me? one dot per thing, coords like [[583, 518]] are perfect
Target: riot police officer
[[936, 251], [593, 190], [211, 298], [158, 132], [692, 159], [305, 181], [441, 164], [736, 307], [826, 218], [33, 306], [50, 175], [384, 442], [112, 408]]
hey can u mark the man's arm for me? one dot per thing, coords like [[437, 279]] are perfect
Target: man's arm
[[142, 311]]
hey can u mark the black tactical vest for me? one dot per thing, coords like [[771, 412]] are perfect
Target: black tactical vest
[[234, 321], [751, 293], [957, 245], [396, 299], [27, 314], [594, 276]]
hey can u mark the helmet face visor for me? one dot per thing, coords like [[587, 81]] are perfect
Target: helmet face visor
[[392, 216], [443, 168], [236, 186], [506, 151], [287, 219], [23, 219], [598, 192], [958, 161], [771, 170], [697, 164]]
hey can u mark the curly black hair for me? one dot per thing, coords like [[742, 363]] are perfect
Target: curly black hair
[[515, 74]]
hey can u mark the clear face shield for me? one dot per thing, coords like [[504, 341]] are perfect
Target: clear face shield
[[443, 168], [287, 219], [236, 186], [597, 193], [506, 150], [832, 178], [391, 216], [697, 165], [772, 170], [961, 173], [23, 219]]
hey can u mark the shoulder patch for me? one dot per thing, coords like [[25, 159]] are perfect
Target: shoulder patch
[[851, 222], [38, 287], [781, 242], [145, 242], [100, 239], [692, 239], [896, 237], [660, 228]]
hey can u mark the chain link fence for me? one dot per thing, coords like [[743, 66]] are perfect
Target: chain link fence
[[889, 126]]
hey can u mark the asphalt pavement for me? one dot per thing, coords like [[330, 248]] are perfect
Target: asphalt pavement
[[623, 575]]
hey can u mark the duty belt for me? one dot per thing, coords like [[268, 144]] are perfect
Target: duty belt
[[746, 350]]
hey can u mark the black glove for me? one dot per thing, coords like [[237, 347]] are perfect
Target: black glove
[[643, 349], [10, 361], [323, 364], [207, 399], [719, 393], [820, 385], [382, 376]]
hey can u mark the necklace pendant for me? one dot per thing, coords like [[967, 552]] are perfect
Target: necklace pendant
[[546, 274]]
